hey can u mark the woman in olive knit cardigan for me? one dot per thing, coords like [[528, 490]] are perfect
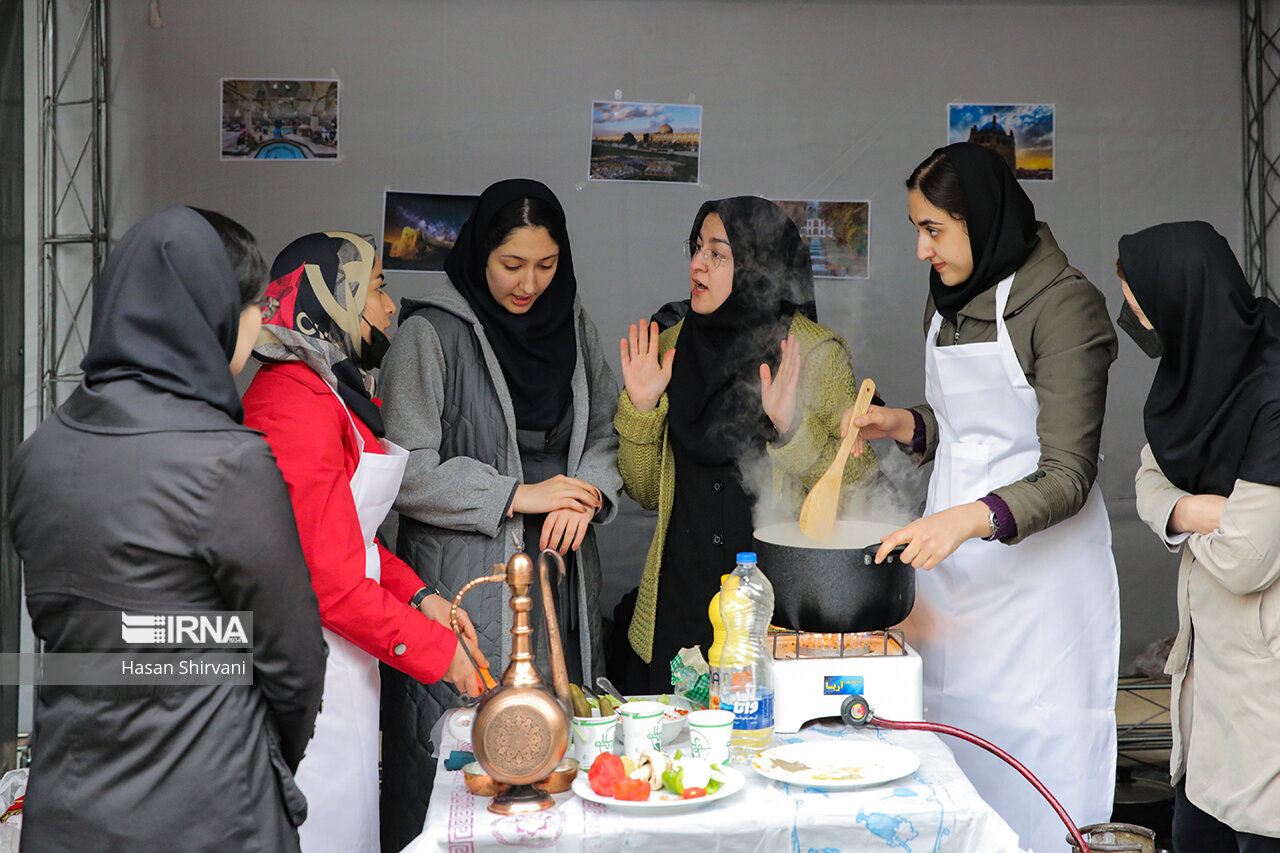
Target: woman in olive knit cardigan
[[733, 403]]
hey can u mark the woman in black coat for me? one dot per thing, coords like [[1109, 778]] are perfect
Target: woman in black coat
[[143, 493]]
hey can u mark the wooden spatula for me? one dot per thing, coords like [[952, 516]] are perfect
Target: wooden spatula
[[818, 513]]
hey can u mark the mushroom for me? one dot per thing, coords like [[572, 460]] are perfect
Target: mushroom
[[659, 763], [650, 766], [643, 771]]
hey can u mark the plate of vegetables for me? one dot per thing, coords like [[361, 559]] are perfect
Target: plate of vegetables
[[658, 782]]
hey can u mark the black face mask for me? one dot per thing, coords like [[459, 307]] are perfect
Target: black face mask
[[374, 349], [1148, 340]]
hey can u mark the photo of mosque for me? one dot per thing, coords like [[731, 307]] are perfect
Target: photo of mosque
[[1021, 133], [279, 119], [838, 235], [645, 142]]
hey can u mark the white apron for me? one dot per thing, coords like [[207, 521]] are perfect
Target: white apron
[[339, 774], [1020, 643]]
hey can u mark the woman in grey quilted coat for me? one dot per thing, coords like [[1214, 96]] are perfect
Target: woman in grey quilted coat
[[497, 386]]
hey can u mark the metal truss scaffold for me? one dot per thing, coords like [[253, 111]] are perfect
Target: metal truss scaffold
[[1260, 75], [74, 227]]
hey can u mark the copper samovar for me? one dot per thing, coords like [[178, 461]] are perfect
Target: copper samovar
[[521, 728]]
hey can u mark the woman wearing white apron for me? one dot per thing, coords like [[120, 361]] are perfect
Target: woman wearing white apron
[[312, 400], [1017, 622]]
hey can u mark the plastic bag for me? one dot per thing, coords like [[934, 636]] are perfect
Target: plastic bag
[[13, 785], [691, 677]]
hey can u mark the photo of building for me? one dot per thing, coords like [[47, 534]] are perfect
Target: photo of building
[[419, 229], [837, 233], [645, 142], [1021, 133], [279, 119]]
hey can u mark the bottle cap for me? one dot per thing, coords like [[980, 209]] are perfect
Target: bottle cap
[[747, 557]]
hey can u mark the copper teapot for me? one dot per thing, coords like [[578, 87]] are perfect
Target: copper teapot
[[521, 729]]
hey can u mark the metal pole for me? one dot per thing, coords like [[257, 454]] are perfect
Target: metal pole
[[1260, 77], [70, 121]]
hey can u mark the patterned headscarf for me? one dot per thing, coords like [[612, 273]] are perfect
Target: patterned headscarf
[[320, 283]]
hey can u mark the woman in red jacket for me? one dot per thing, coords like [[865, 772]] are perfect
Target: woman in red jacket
[[322, 334]]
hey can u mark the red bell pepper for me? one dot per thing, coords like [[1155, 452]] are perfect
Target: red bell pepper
[[631, 789], [693, 793]]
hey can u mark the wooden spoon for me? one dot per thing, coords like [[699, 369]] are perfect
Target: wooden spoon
[[818, 513]]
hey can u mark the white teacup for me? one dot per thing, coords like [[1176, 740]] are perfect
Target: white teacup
[[641, 726], [709, 734], [592, 736]]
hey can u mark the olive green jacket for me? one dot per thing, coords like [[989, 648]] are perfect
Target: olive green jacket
[[1063, 338], [645, 459]]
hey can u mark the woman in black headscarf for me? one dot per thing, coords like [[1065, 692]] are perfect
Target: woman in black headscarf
[[498, 388], [1210, 485], [1018, 621], [746, 377], [144, 494]]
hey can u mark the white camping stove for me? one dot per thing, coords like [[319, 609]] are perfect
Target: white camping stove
[[813, 673]]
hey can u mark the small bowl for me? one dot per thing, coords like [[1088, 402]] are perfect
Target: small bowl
[[560, 779], [480, 783]]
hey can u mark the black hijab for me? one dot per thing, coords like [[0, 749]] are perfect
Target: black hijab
[[715, 412], [1213, 412], [166, 313], [537, 349], [319, 286], [1000, 219]]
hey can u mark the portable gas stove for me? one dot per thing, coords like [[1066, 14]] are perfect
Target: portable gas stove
[[813, 673]]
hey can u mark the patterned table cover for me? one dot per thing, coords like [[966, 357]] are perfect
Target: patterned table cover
[[935, 809]]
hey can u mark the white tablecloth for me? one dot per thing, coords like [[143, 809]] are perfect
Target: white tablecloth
[[935, 809]]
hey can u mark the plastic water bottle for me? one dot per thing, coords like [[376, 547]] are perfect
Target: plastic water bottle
[[746, 666], [717, 643]]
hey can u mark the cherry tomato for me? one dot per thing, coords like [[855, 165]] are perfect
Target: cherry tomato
[[631, 789], [693, 793]]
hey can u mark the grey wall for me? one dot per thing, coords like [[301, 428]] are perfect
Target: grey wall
[[832, 100]]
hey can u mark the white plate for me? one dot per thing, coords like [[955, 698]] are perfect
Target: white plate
[[832, 764], [662, 800]]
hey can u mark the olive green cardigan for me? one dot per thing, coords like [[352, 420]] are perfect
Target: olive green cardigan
[[826, 389]]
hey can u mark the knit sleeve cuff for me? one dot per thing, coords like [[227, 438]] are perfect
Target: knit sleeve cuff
[[917, 434], [1005, 522], [640, 427]]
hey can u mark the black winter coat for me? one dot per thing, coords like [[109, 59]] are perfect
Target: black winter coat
[[110, 512]]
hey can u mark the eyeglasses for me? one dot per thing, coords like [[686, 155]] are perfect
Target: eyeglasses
[[710, 256]]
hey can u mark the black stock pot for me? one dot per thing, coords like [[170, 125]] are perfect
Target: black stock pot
[[837, 587]]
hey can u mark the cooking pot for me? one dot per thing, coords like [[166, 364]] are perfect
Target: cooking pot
[[836, 587]]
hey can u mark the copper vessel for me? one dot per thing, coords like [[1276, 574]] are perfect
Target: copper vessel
[[521, 728]]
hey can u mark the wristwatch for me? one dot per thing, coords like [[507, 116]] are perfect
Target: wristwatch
[[995, 526], [418, 596]]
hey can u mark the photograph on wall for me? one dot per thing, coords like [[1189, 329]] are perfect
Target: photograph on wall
[[419, 229], [279, 119], [838, 234], [1021, 133], [645, 142]]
